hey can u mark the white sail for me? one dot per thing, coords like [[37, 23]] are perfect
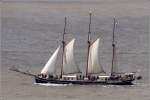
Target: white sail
[[69, 65], [94, 66], [50, 65]]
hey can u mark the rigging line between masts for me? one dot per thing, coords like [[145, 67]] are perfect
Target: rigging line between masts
[[63, 43], [114, 47], [89, 43]]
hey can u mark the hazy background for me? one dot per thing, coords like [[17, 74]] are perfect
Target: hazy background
[[32, 30]]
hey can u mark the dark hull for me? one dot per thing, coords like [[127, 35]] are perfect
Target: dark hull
[[84, 82]]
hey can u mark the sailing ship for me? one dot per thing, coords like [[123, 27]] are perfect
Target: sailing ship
[[70, 72]]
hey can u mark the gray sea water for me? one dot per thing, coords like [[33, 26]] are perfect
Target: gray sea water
[[32, 30]]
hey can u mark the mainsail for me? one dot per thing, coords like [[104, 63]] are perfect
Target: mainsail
[[69, 65], [94, 66], [50, 65]]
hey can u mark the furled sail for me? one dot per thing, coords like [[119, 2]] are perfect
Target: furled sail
[[50, 65], [94, 66], [69, 65]]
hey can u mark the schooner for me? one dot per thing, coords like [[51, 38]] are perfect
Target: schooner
[[70, 72]]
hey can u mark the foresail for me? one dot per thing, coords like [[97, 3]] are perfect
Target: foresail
[[94, 66], [69, 65], [50, 65]]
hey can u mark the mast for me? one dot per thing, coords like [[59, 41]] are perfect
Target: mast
[[63, 44], [89, 43], [114, 47]]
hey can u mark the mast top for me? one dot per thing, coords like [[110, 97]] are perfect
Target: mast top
[[90, 14], [65, 25], [114, 28]]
